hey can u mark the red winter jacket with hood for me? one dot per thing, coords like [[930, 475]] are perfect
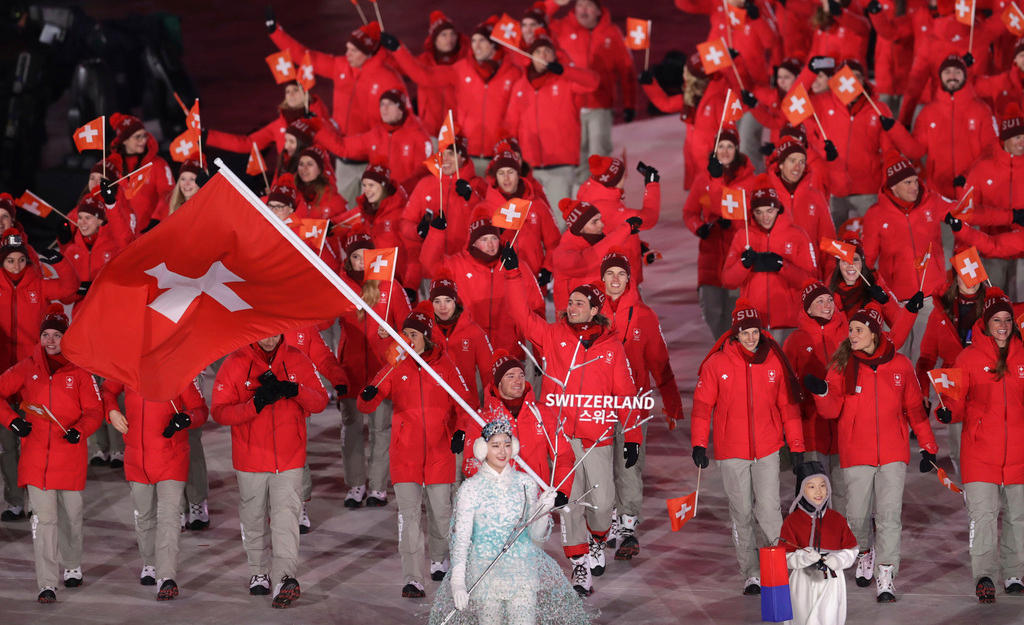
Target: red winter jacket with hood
[[609, 201], [809, 349], [998, 181], [360, 351], [309, 342], [808, 208], [89, 258], [149, 457], [384, 223], [433, 102], [577, 261], [272, 133], [466, 344], [402, 146], [539, 235], [47, 460], [23, 305], [757, 41], [274, 439], [157, 182], [601, 50], [423, 418]]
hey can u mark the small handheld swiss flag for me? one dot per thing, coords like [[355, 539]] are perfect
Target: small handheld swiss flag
[[964, 11], [512, 215], [255, 166], [280, 64], [91, 136], [185, 146], [843, 251], [434, 164], [948, 483], [379, 264], [446, 136], [395, 354], [734, 204], [508, 31], [313, 232], [194, 120], [1013, 19], [967, 265], [733, 107], [948, 382], [853, 227], [638, 33], [34, 204], [796, 106], [845, 86], [349, 219], [964, 209], [714, 55], [305, 74], [681, 510]]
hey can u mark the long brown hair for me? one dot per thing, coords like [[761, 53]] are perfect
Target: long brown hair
[[693, 88], [841, 357], [952, 295], [1002, 352]]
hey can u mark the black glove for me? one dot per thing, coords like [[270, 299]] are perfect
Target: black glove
[[543, 278], [153, 223], [560, 499], [769, 262], [1018, 216], [270, 21], [700, 456], [748, 98], [287, 389], [715, 167], [509, 258], [50, 256], [878, 294], [796, 458], [724, 223], [555, 68], [179, 421], [341, 390], [628, 115], [631, 453], [646, 77], [944, 415], [83, 287], [649, 173], [463, 189], [959, 181], [204, 176], [424, 226], [634, 224], [108, 191], [733, 52], [390, 42], [873, 7], [458, 441], [887, 122], [955, 224], [815, 385], [65, 232], [968, 59], [767, 148], [411, 294], [835, 9], [752, 11], [73, 436], [927, 460], [915, 303], [21, 427], [831, 153], [264, 396], [440, 222], [748, 258], [704, 230], [368, 393]]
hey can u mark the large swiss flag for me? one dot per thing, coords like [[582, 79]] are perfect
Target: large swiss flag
[[219, 273]]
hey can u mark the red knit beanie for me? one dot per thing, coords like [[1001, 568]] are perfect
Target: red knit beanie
[[812, 291], [438, 23], [614, 258], [192, 166], [1011, 123], [787, 147], [506, 158], [501, 363], [357, 239], [124, 126], [55, 319], [606, 169], [93, 205], [303, 130], [443, 285], [745, 315], [953, 60], [12, 241], [729, 133], [485, 27], [765, 194], [541, 38], [897, 168], [537, 13], [481, 225], [871, 317], [319, 155], [594, 293], [366, 38], [379, 173], [576, 213], [421, 319], [284, 191]]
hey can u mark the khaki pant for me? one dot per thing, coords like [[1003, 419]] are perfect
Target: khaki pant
[[876, 491], [955, 431], [9, 453], [198, 486], [835, 478], [579, 522], [349, 179], [752, 487], [716, 304], [851, 206], [984, 500], [557, 183], [157, 525], [751, 137], [106, 439], [409, 496], [629, 483], [278, 494], [595, 138], [912, 347], [480, 165], [357, 468], [56, 532]]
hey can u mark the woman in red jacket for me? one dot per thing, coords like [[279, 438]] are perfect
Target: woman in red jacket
[[464, 340], [315, 182], [137, 147], [380, 207], [990, 409], [422, 462], [577, 259], [62, 406], [118, 212], [190, 178], [156, 463], [362, 352], [443, 47], [873, 391], [747, 390], [93, 246]]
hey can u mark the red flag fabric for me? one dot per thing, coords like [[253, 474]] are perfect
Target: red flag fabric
[[921, 262], [714, 55], [508, 30], [280, 64], [949, 382], [446, 136], [638, 33], [255, 166], [851, 227], [34, 204], [967, 265], [1013, 19], [512, 215], [350, 219], [845, 86], [91, 136], [194, 119], [185, 146], [395, 354], [305, 74], [965, 206], [379, 264], [843, 251], [737, 16], [964, 11], [948, 483], [734, 204], [134, 183], [434, 163], [161, 311], [681, 509], [733, 107], [313, 232], [796, 106]]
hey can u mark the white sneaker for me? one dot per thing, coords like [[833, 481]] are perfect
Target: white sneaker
[[73, 577], [752, 586], [148, 576], [117, 460], [596, 557], [100, 458], [354, 497], [865, 568], [304, 525], [612, 539], [198, 516], [377, 499], [259, 585], [582, 582], [886, 589], [1013, 586], [438, 569]]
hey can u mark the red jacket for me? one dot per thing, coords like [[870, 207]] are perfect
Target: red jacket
[[807, 207], [751, 405], [895, 42], [809, 349], [356, 90], [601, 50], [1003, 86], [639, 331], [309, 342], [757, 41], [998, 181], [846, 38], [423, 418], [328, 205], [940, 341], [384, 225], [776, 295], [23, 306], [158, 181], [272, 133], [539, 235], [47, 460], [704, 205], [403, 147], [470, 351], [576, 261], [479, 104], [88, 259], [149, 457], [360, 351], [1006, 245], [544, 115], [120, 220], [991, 411], [873, 421], [906, 236], [832, 532], [607, 374], [274, 439], [433, 102], [614, 212]]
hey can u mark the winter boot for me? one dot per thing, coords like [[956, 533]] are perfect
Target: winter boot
[[286, 593], [596, 556], [582, 582], [612, 539], [865, 567], [148, 576], [886, 589], [354, 497], [1013, 586], [168, 590], [752, 586], [985, 590], [630, 545], [259, 585], [413, 590]]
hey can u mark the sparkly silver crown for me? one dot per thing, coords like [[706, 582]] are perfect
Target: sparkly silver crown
[[498, 426]]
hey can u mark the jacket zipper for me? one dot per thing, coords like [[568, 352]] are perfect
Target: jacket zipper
[[878, 439], [49, 436], [423, 420], [750, 414], [142, 439]]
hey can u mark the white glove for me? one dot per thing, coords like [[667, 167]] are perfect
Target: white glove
[[547, 500], [804, 557], [460, 596], [832, 562]]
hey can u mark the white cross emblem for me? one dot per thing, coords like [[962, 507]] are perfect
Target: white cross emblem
[[962, 9], [307, 72], [735, 21], [508, 29], [510, 213], [947, 482], [730, 204], [736, 106], [970, 267], [195, 119], [715, 55], [1014, 21], [285, 68], [314, 233], [725, 376], [88, 133], [846, 83], [184, 148], [943, 380], [638, 35], [683, 510], [32, 206], [796, 105], [378, 263], [184, 290]]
